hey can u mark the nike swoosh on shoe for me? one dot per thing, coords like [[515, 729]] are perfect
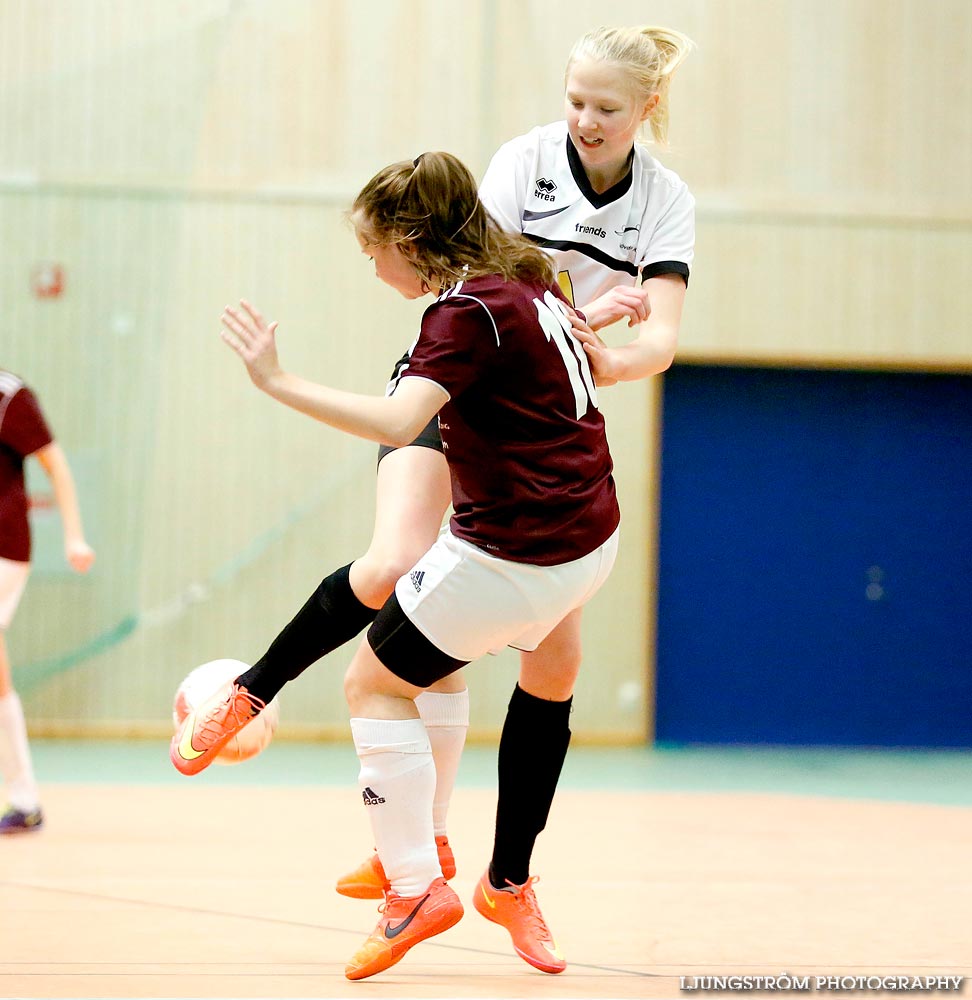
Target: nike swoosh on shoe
[[393, 932], [186, 750]]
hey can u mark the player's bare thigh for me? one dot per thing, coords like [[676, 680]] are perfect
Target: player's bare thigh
[[550, 671], [412, 495]]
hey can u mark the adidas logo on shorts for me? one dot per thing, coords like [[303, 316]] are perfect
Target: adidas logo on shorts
[[371, 798], [417, 576]]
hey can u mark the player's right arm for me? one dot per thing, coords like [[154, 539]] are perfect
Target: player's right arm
[[628, 302], [653, 350], [394, 420]]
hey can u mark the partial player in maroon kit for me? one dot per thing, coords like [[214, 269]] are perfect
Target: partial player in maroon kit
[[24, 433], [534, 533], [519, 384]]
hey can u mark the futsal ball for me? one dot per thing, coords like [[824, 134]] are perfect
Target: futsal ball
[[201, 685]]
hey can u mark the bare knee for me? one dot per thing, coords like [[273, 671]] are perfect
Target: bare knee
[[374, 692], [550, 673], [374, 575], [359, 681]]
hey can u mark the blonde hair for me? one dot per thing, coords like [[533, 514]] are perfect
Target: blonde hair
[[430, 207], [647, 55]]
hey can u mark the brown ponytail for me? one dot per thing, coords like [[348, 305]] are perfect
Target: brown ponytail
[[430, 206]]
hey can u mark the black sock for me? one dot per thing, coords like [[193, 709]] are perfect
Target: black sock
[[331, 616], [532, 750]]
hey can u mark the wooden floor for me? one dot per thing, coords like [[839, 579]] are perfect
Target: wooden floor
[[187, 890]]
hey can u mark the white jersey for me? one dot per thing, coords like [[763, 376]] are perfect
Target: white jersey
[[642, 227]]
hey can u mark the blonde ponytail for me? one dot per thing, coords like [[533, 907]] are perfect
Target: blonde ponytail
[[647, 55]]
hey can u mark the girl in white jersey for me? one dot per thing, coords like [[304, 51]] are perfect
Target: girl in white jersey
[[534, 532], [621, 230], [619, 227]]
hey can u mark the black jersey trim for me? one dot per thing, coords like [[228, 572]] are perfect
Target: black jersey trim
[[587, 250], [529, 216], [666, 267], [580, 178]]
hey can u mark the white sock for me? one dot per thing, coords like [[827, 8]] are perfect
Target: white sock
[[446, 718], [397, 781], [15, 763]]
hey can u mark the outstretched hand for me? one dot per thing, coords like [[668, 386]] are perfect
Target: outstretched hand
[[604, 366], [253, 339]]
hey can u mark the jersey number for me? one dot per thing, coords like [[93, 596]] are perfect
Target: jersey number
[[553, 319]]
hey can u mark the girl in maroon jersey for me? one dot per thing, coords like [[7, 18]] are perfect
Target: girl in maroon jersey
[[24, 432], [534, 533], [616, 83]]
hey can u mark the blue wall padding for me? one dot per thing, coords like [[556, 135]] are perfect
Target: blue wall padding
[[815, 558]]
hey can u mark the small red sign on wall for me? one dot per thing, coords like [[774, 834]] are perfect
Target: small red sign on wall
[[47, 280]]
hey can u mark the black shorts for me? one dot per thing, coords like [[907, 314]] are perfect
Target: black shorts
[[402, 648], [429, 437]]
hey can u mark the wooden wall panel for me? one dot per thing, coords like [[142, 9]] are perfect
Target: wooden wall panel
[[174, 155]]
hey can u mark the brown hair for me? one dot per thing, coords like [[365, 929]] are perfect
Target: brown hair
[[430, 206], [648, 56]]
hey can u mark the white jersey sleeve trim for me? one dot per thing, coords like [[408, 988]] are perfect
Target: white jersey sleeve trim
[[473, 298], [407, 374], [10, 385]]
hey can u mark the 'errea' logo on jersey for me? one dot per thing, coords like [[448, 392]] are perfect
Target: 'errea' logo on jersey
[[545, 189]]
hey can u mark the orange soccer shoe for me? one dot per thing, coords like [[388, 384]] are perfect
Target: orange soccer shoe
[[516, 908], [403, 923], [368, 880], [208, 729]]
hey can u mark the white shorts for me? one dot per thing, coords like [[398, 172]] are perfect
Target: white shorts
[[13, 579], [468, 603]]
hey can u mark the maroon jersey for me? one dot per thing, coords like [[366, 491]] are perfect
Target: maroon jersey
[[525, 442], [22, 431]]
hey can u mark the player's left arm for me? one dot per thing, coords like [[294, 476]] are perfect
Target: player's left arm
[[653, 350], [77, 551], [394, 420]]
